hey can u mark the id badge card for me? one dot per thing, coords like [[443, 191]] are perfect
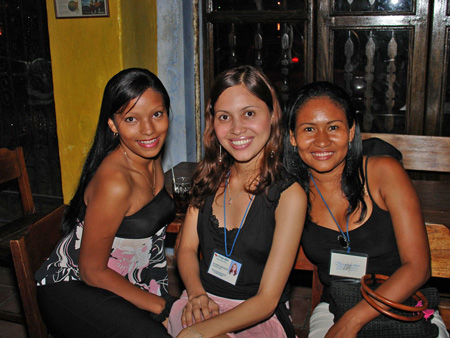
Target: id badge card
[[224, 268], [348, 264]]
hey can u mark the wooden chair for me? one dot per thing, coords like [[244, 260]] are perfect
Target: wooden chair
[[12, 167], [28, 253]]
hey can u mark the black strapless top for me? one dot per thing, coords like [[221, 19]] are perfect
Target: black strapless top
[[156, 214]]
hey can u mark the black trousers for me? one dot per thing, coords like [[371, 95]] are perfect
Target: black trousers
[[74, 309]]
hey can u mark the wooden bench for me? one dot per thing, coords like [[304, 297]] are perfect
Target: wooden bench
[[421, 153]]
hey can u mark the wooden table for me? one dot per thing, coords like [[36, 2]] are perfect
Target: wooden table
[[434, 197]]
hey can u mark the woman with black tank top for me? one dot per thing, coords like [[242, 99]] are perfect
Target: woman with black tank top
[[107, 276], [245, 211], [365, 207]]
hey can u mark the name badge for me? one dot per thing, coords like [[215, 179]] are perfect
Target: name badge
[[224, 268], [350, 265]]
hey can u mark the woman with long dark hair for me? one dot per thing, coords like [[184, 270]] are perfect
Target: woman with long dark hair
[[359, 207], [107, 276], [244, 208]]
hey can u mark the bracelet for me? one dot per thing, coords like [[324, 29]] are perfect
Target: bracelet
[[191, 329], [166, 311]]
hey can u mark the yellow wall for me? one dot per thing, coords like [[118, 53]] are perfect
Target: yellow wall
[[139, 33], [85, 54]]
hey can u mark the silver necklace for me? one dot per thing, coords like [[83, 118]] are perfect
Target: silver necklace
[[153, 169], [230, 198]]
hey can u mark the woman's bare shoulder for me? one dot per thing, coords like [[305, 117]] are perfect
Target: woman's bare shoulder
[[383, 165], [386, 172], [294, 197], [295, 191], [111, 180]]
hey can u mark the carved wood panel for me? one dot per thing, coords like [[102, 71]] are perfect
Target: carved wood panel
[[391, 55], [377, 50]]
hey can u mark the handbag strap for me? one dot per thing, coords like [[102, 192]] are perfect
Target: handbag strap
[[369, 295]]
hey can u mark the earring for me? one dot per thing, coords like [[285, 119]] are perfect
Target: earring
[[272, 154], [115, 134], [220, 153], [295, 149]]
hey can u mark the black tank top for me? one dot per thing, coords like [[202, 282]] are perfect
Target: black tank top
[[251, 249], [375, 237], [252, 246]]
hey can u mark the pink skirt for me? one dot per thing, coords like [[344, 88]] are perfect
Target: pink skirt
[[268, 329]]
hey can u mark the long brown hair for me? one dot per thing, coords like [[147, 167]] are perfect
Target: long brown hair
[[211, 173]]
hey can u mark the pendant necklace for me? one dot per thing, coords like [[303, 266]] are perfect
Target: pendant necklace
[[230, 198], [343, 239], [225, 220], [153, 169]]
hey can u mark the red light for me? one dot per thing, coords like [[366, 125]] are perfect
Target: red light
[[295, 59]]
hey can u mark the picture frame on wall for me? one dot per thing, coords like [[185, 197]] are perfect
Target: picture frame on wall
[[81, 8]]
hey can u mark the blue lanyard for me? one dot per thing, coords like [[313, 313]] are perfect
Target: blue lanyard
[[345, 238], [225, 219]]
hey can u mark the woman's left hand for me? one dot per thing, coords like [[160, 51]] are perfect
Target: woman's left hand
[[198, 309]]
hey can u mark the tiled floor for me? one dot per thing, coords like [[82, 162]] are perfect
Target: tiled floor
[[10, 301]]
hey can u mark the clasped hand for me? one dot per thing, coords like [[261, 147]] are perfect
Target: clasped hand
[[198, 309]]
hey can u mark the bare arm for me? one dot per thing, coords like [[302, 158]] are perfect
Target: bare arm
[[289, 216], [107, 204], [393, 191]]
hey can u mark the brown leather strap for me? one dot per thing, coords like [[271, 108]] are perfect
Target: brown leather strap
[[369, 295]]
